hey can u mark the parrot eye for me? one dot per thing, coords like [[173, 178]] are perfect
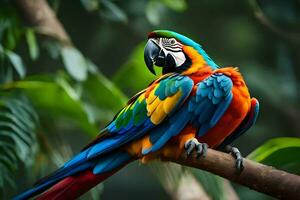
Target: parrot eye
[[172, 41]]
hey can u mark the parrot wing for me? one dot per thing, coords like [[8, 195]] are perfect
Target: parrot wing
[[144, 111], [213, 97], [163, 110], [203, 109]]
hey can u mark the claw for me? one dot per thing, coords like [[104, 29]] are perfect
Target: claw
[[239, 161], [193, 144], [204, 149]]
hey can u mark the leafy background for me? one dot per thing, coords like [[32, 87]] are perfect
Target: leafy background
[[54, 98]]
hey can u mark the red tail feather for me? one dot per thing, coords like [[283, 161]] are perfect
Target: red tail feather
[[74, 186]]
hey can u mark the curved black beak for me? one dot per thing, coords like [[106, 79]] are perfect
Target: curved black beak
[[154, 54], [151, 53]]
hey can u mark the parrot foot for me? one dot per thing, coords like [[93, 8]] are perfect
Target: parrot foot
[[193, 144], [239, 161]]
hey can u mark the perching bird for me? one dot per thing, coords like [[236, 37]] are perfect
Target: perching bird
[[192, 105]]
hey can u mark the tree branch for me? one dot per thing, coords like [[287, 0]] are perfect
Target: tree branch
[[40, 15], [256, 176]]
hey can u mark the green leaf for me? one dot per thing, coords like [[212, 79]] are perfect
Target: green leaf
[[282, 153], [154, 10], [56, 98], [74, 62], [11, 39], [17, 135], [101, 97], [4, 24], [177, 5], [53, 48], [140, 76], [102, 92], [113, 12], [16, 62], [32, 44], [90, 5], [6, 71]]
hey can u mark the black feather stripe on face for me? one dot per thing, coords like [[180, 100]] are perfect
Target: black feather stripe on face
[[171, 44]]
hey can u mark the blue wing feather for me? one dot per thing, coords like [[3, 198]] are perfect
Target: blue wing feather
[[111, 162], [204, 110], [213, 97], [161, 134], [130, 130]]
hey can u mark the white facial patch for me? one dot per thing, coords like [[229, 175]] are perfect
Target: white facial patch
[[179, 57], [173, 47]]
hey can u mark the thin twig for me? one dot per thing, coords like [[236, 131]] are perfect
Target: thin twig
[[264, 20]]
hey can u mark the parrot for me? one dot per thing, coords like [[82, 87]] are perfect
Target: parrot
[[192, 106]]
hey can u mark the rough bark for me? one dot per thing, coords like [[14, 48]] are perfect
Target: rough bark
[[259, 177], [38, 13]]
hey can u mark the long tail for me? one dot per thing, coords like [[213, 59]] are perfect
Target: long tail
[[70, 183], [74, 186]]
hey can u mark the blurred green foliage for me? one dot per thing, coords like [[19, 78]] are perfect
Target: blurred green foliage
[[282, 153], [75, 90], [18, 139], [133, 68]]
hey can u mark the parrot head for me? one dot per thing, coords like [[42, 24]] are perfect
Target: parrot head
[[174, 52]]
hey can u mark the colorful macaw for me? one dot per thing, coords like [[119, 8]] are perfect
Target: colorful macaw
[[193, 105]]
